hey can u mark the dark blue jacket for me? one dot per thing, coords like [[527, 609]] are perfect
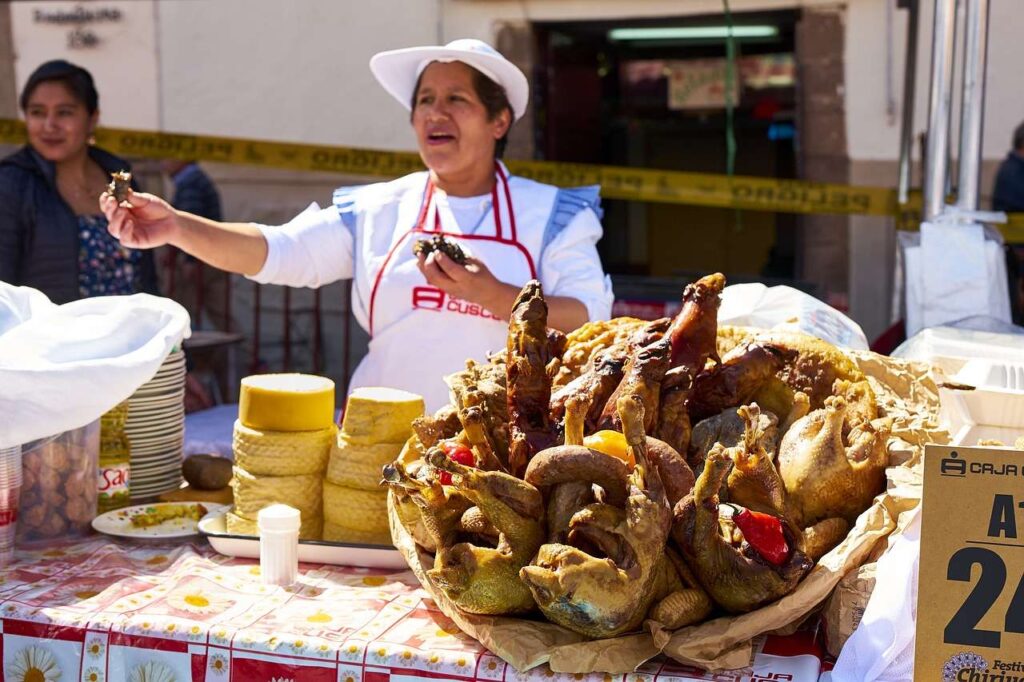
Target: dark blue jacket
[[1008, 194], [39, 231]]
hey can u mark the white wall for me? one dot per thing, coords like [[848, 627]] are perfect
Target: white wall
[[295, 71], [123, 64], [869, 133]]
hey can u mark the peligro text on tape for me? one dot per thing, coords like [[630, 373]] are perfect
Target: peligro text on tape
[[631, 184]]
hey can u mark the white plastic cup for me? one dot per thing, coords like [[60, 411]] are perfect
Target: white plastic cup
[[279, 544], [10, 467], [8, 522]]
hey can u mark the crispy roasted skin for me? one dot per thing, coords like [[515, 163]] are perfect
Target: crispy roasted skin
[[439, 510], [736, 379], [729, 429], [827, 475], [585, 343], [754, 482], [483, 385], [693, 334], [737, 578], [642, 378], [604, 597], [431, 430], [597, 385], [485, 580], [694, 331], [529, 386], [594, 386]]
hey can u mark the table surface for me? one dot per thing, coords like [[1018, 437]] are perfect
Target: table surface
[[102, 610]]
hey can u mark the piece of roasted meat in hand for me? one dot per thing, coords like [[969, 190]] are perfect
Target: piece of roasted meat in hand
[[120, 185], [424, 247], [743, 558]]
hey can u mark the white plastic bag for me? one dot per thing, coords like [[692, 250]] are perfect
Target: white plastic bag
[[61, 367], [953, 271], [782, 307], [881, 649]]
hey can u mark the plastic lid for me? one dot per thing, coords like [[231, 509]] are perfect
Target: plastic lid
[[279, 517]]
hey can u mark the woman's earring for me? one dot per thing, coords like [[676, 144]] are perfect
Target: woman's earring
[[91, 140]]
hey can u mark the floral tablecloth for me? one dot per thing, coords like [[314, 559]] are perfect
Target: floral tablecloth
[[97, 610]]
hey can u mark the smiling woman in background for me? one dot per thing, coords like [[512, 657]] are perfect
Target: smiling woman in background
[[52, 236], [426, 312]]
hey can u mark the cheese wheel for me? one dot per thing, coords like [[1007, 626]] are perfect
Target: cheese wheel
[[358, 509], [253, 493], [281, 453], [358, 466], [309, 529], [333, 533], [286, 402], [380, 415]]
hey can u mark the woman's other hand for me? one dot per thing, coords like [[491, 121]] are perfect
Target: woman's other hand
[[471, 282], [145, 221]]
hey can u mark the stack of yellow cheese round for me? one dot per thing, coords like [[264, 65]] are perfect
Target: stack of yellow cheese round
[[377, 423], [281, 443]]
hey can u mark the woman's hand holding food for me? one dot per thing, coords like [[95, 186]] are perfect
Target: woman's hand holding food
[[471, 282], [145, 221]]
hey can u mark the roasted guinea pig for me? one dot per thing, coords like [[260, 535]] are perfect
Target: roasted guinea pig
[[528, 396], [480, 579], [722, 554], [829, 475], [736, 380], [607, 588], [754, 481]]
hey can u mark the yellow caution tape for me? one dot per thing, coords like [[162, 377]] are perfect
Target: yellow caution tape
[[617, 182]]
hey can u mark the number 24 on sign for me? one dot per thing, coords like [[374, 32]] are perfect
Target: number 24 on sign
[[962, 628]]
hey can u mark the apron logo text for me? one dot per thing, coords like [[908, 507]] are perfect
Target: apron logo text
[[432, 298]]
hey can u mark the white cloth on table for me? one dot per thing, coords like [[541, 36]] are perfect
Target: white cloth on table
[[210, 431], [62, 367]]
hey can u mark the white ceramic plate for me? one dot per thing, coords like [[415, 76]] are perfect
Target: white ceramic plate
[[119, 521], [311, 551]]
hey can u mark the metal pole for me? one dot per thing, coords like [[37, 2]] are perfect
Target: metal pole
[[909, 86], [938, 111], [975, 53]]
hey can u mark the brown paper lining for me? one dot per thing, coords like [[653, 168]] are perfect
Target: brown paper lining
[[906, 391]]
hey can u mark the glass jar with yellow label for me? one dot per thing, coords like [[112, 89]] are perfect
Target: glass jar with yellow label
[[115, 460]]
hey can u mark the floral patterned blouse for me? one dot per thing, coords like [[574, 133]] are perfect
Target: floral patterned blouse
[[105, 268]]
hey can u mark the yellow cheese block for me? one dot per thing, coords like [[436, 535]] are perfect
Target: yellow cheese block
[[358, 466], [380, 415], [333, 533], [358, 509], [286, 402], [281, 453], [253, 493], [309, 529]]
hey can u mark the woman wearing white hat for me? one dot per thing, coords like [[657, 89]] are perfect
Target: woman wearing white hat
[[426, 314]]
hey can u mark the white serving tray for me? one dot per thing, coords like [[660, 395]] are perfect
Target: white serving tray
[[214, 528]]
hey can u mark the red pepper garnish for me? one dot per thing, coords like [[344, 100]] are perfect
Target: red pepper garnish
[[459, 453], [763, 532]]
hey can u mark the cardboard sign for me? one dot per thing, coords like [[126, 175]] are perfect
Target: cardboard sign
[[970, 604], [700, 84]]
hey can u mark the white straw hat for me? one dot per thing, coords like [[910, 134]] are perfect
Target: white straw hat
[[399, 70]]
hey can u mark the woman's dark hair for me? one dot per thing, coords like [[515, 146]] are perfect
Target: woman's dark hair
[[1018, 138], [76, 79], [491, 95]]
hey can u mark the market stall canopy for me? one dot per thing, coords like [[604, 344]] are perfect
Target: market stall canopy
[[62, 367]]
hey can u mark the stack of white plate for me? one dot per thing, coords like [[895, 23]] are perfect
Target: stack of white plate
[[156, 430]]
